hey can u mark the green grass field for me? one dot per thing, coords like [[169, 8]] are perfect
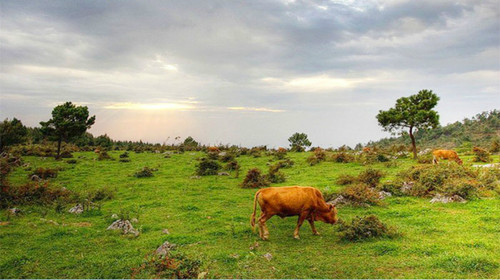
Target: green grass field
[[209, 219]]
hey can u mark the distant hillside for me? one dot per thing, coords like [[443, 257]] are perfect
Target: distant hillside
[[480, 130]]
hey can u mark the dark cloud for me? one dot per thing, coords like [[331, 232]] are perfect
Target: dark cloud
[[314, 58]]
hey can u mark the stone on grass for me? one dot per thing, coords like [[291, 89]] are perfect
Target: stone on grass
[[447, 199], [202, 275], [134, 220], [77, 209], [223, 174], [35, 178], [384, 194], [165, 248], [125, 226], [114, 216], [338, 200], [195, 177], [268, 256], [407, 187], [165, 231]]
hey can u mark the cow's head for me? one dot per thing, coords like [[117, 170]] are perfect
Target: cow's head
[[329, 216]]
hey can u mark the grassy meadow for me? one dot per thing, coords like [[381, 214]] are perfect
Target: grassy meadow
[[208, 218]]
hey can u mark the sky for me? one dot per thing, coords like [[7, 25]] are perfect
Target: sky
[[246, 72]]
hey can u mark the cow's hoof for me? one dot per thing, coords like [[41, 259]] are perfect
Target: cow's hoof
[[316, 233], [296, 237]]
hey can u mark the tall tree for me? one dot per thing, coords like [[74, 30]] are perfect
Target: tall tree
[[413, 113], [12, 132], [298, 142], [68, 122]]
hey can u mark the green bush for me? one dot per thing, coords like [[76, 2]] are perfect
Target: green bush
[[343, 157], [255, 179], [346, 179], [392, 187], [124, 160], [360, 195], [365, 228], [370, 177], [44, 173], [275, 175], [207, 167], [287, 163], [170, 266], [280, 153], [103, 155], [144, 172], [124, 155], [481, 155], [71, 161]]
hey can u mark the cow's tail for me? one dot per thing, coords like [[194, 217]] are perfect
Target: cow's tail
[[252, 218]]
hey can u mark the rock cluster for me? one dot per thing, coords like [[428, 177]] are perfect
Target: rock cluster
[[125, 226], [447, 199]]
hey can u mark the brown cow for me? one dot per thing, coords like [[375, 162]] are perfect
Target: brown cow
[[445, 154], [305, 202]]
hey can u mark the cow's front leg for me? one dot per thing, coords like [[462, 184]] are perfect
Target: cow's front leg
[[302, 217], [311, 222]]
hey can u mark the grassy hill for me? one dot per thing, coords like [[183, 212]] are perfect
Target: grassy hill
[[208, 218], [481, 130]]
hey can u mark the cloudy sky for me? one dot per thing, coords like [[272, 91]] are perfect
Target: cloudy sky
[[246, 72]]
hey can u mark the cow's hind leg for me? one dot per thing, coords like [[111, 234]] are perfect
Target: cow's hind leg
[[263, 230], [302, 217], [311, 222]]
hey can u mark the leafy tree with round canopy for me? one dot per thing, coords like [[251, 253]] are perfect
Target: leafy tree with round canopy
[[413, 113], [190, 142], [298, 142], [68, 122], [12, 132]]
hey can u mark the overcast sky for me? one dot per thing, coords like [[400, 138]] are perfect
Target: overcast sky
[[246, 72]]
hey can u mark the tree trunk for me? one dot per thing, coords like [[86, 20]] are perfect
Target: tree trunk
[[413, 145], [58, 148]]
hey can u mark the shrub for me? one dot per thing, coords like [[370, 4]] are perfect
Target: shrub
[[170, 266], [465, 188], [32, 193], [393, 187], [232, 165], [65, 154], [255, 152], [71, 161], [104, 193], [4, 170], [364, 228], [213, 153], [481, 155], [318, 156], [343, 157], [124, 155], [346, 179], [280, 153], [425, 158], [490, 178], [124, 160], [431, 179], [103, 155], [207, 167], [370, 177], [144, 172], [275, 175], [226, 157], [287, 163], [44, 173], [360, 195], [495, 146], [254, 179]]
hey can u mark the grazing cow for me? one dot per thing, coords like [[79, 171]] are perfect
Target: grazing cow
[[445, 154], [305, 202]]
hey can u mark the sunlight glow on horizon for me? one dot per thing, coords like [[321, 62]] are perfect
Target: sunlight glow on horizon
[[149, 106]]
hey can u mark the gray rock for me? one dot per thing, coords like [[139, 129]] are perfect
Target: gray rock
[[407, 187], [338, 200], [125, 226], [77, 209], [489, 165], [165, 231], [165, 248], [223, 174], [447, 199], [114, 216], [195, 177], [268, 256], [383, 194], [35, 178]]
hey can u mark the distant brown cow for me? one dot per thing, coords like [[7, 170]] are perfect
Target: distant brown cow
[[305, 202], [445, 154]]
